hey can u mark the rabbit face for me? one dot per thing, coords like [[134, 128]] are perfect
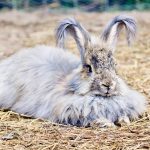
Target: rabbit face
[[99, 69]]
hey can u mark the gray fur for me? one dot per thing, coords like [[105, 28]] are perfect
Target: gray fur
[[47, 82], [118, 22]]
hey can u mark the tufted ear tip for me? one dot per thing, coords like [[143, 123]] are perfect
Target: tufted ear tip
[[76, 30], [113, 28], [63, 26]]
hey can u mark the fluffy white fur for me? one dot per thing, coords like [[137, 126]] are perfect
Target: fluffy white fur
[[35, 82], [51, 83]]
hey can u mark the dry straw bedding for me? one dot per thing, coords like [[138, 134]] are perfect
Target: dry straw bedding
[[19, 30]]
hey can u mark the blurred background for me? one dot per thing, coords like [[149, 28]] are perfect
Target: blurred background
[[85, 5]]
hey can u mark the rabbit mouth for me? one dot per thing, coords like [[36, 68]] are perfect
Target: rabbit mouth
[[106, 95]]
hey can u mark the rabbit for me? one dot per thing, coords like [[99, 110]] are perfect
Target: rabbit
[[54, 84]]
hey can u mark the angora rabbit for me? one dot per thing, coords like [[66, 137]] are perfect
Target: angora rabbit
[[52, 83]]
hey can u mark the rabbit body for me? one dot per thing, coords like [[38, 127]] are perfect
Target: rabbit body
[[32, 82], [52, 83]]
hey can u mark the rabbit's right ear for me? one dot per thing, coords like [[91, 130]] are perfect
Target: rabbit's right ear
[[113, 28], [75, 29]]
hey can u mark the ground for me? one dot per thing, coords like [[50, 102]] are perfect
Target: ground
[[19, 30]]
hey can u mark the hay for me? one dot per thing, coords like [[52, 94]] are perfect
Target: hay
[[19, 30]]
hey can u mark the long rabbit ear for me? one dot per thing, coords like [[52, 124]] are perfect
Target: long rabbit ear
[[80, 35], [113, 28]]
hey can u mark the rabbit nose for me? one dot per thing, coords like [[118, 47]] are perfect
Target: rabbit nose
[[109, 86], [106, 86]]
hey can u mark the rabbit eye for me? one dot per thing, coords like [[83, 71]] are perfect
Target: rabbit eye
[[88, 68], [102, 49], [109, 54]]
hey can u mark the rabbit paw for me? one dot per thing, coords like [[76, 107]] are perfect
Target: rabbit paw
[[123, 120], [102, 123]]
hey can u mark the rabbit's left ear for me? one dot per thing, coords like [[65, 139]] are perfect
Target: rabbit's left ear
[[77, 31], [113, 28]]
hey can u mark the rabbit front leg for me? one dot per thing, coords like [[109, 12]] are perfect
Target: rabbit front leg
[[105, 123], [103, 114], [102, 123]]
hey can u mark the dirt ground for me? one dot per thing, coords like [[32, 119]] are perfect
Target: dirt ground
[[19, 30]]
